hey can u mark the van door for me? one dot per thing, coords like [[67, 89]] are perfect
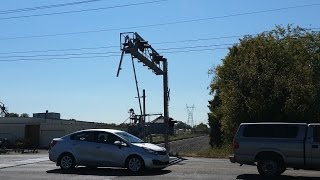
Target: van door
[[315, 146]]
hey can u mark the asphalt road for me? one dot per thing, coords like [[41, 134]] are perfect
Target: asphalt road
[[25, 167]]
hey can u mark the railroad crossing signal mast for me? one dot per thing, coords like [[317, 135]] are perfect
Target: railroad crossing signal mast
[[132, 43], [3, 110]]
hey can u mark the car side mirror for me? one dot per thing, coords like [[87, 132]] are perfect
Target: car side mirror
[[119, 143]]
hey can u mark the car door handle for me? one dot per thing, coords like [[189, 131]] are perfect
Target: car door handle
[[315, 146]]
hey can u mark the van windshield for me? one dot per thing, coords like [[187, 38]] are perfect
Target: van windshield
[[129, 137]]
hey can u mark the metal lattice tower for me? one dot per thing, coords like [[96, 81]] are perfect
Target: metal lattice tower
[[132, 43], [190, 110]]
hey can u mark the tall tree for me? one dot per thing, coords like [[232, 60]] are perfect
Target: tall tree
[[214, 117], [274, 76]]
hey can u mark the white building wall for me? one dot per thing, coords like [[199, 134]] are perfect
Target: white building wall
[[12, 131], [48, 131], [14, 128]]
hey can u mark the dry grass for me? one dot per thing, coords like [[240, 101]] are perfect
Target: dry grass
[[222, 152], [160, 139]]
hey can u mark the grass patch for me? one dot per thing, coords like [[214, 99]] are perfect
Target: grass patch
[[222, 152]]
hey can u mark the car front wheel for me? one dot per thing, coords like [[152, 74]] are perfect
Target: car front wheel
[[67, 162], [135, 164]]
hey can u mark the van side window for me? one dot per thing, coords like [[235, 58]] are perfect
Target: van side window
[[271, 131], [316, 134]]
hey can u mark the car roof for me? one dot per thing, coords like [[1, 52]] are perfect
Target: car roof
[[105, 130]]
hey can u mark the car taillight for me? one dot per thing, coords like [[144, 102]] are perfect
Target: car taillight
[[53, 142], [235, 145]]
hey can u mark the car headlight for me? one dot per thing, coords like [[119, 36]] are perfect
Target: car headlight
[[150, 151]]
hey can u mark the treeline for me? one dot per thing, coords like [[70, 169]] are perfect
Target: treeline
[[270, 77]]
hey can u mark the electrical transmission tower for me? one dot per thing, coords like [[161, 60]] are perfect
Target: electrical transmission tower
[[190, 110]]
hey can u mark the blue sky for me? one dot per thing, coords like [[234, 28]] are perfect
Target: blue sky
[[88, 89]]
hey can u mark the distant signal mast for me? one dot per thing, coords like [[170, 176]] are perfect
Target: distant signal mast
[[3, 110]]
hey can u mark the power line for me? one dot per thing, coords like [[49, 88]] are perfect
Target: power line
[[59, 50], [202, 39], [83, 10], [55, 55], [99, 53], [63, 58], [106, 47], [200, 46], [159, 24], [46, 7], [164, 42], [102, 56], [195, 50]]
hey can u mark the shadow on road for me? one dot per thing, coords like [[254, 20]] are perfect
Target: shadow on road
[[177, 160], [283, 177], [108, 172]]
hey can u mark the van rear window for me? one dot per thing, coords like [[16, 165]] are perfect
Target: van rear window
[[271, 131]]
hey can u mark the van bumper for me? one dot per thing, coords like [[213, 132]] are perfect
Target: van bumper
[[232, 159]]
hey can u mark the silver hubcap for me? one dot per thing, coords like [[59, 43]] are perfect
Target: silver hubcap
[[66, 162], [134, 164]]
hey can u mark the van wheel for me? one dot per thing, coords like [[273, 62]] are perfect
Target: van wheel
[[135, 164], [67, 162], [270, 167]]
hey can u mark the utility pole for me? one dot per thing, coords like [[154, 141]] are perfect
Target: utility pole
[[144, 105], [166, 103], [144, 113], [132, 43]]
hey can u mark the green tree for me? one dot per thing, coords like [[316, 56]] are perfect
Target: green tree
[[214, 118], [201, 128], [12, 115], [182, 125], [274, 76], [24, 115]]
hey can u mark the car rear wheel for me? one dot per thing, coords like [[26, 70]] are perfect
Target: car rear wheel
[[135, 164], [67, 162], [269, 167]]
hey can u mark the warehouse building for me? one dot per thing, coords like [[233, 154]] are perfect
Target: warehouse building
[[41, 128]]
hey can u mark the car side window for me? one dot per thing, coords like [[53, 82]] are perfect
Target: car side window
[[83, 136], [316, 134], [108, 138]]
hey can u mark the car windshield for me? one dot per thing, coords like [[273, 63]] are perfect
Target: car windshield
[[129, 137]]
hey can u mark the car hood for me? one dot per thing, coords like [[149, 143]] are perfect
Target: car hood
[[150, 146]]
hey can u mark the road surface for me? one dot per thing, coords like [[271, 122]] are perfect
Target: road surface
[[37, 166]]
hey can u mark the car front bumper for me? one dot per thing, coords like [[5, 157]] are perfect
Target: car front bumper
[[159, 161]]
